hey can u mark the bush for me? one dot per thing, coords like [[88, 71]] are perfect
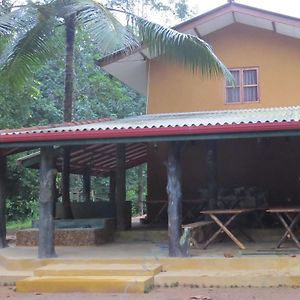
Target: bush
[[22, 187]]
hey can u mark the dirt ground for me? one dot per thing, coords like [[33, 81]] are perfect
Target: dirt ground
[[178, 293]]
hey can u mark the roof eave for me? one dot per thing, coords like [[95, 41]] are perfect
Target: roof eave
[[146, 134]]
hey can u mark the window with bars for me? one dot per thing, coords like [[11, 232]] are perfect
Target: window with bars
[[245, 88]]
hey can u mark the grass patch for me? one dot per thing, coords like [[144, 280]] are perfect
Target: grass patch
[[16, 225]]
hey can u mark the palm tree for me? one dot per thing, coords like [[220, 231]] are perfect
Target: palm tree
[[32, 30]]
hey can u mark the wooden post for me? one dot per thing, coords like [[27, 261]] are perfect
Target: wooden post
[[66, 184], [3, 175], [56, 195], [174, 199], [140, 189], [120, 187], [212, 174], [112, 193], [47, 194], [86, 186], [112, 187]]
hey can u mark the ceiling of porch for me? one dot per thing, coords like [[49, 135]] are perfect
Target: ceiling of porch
[[97, 160]]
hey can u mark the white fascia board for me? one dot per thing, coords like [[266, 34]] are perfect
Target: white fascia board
[[132, 70]]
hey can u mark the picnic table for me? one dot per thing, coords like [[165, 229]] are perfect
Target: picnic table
[[231, 215], [288, 216]]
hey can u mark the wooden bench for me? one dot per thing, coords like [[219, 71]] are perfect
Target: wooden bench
[[192, 230]]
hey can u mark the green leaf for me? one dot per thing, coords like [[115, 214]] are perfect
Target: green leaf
[[28, 49], [185, 49], [104, 28]]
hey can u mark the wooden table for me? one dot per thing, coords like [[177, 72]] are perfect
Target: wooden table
[[231, 214], [289, 218]]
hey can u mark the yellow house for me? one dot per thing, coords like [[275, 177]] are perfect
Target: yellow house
[[262, 49], [214, 151]]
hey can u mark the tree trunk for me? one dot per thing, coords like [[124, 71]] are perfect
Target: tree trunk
[[66, 184], [86, 187], [120, 187], [68, 110], [174, 199], [212, 175], [3, 175], [46, 199], [69, 67]]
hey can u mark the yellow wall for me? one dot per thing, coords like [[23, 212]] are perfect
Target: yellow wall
[[172, 89]]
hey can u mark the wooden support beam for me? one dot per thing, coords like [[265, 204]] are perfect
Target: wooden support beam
[[46, 199], [212, 174], [121, 187], [140, 189], [66, 184], [3, 175], [197, 33], [86, 177], [174, 199], [112, 187]]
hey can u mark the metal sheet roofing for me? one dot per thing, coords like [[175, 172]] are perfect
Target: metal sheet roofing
[[160, 127], [100, 159], [191, 119]]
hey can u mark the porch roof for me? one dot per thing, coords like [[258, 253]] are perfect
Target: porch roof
[[159, 127], [97, 160]]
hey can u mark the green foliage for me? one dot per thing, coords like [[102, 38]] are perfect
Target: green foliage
[[40, 102], [177, 9], [21, 224], [22, 190], [35, 37], [185, 49], [135, 180]]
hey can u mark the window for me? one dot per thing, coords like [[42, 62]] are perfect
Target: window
[[245, 88]]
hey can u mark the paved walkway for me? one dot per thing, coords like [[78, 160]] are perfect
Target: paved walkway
[[178, 293]]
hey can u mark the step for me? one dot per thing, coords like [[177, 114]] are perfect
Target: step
[[9, 277], [103, 284], [142, 235], [99, 270], [255, 278], [230, 264]]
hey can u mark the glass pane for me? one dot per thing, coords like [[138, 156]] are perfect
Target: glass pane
[[250, 94], [236, 76], [232, 95], [249, 77]]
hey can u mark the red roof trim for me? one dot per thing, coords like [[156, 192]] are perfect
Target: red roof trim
[[150, 132]]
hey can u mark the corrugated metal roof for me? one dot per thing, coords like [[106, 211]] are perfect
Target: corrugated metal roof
[[192, 119]]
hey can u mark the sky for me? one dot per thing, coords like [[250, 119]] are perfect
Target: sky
[[286, 7]]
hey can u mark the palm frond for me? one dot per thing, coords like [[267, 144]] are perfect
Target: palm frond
[[188, 50], [5, 26], [104, 28], [11, 21], [28, 50]]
